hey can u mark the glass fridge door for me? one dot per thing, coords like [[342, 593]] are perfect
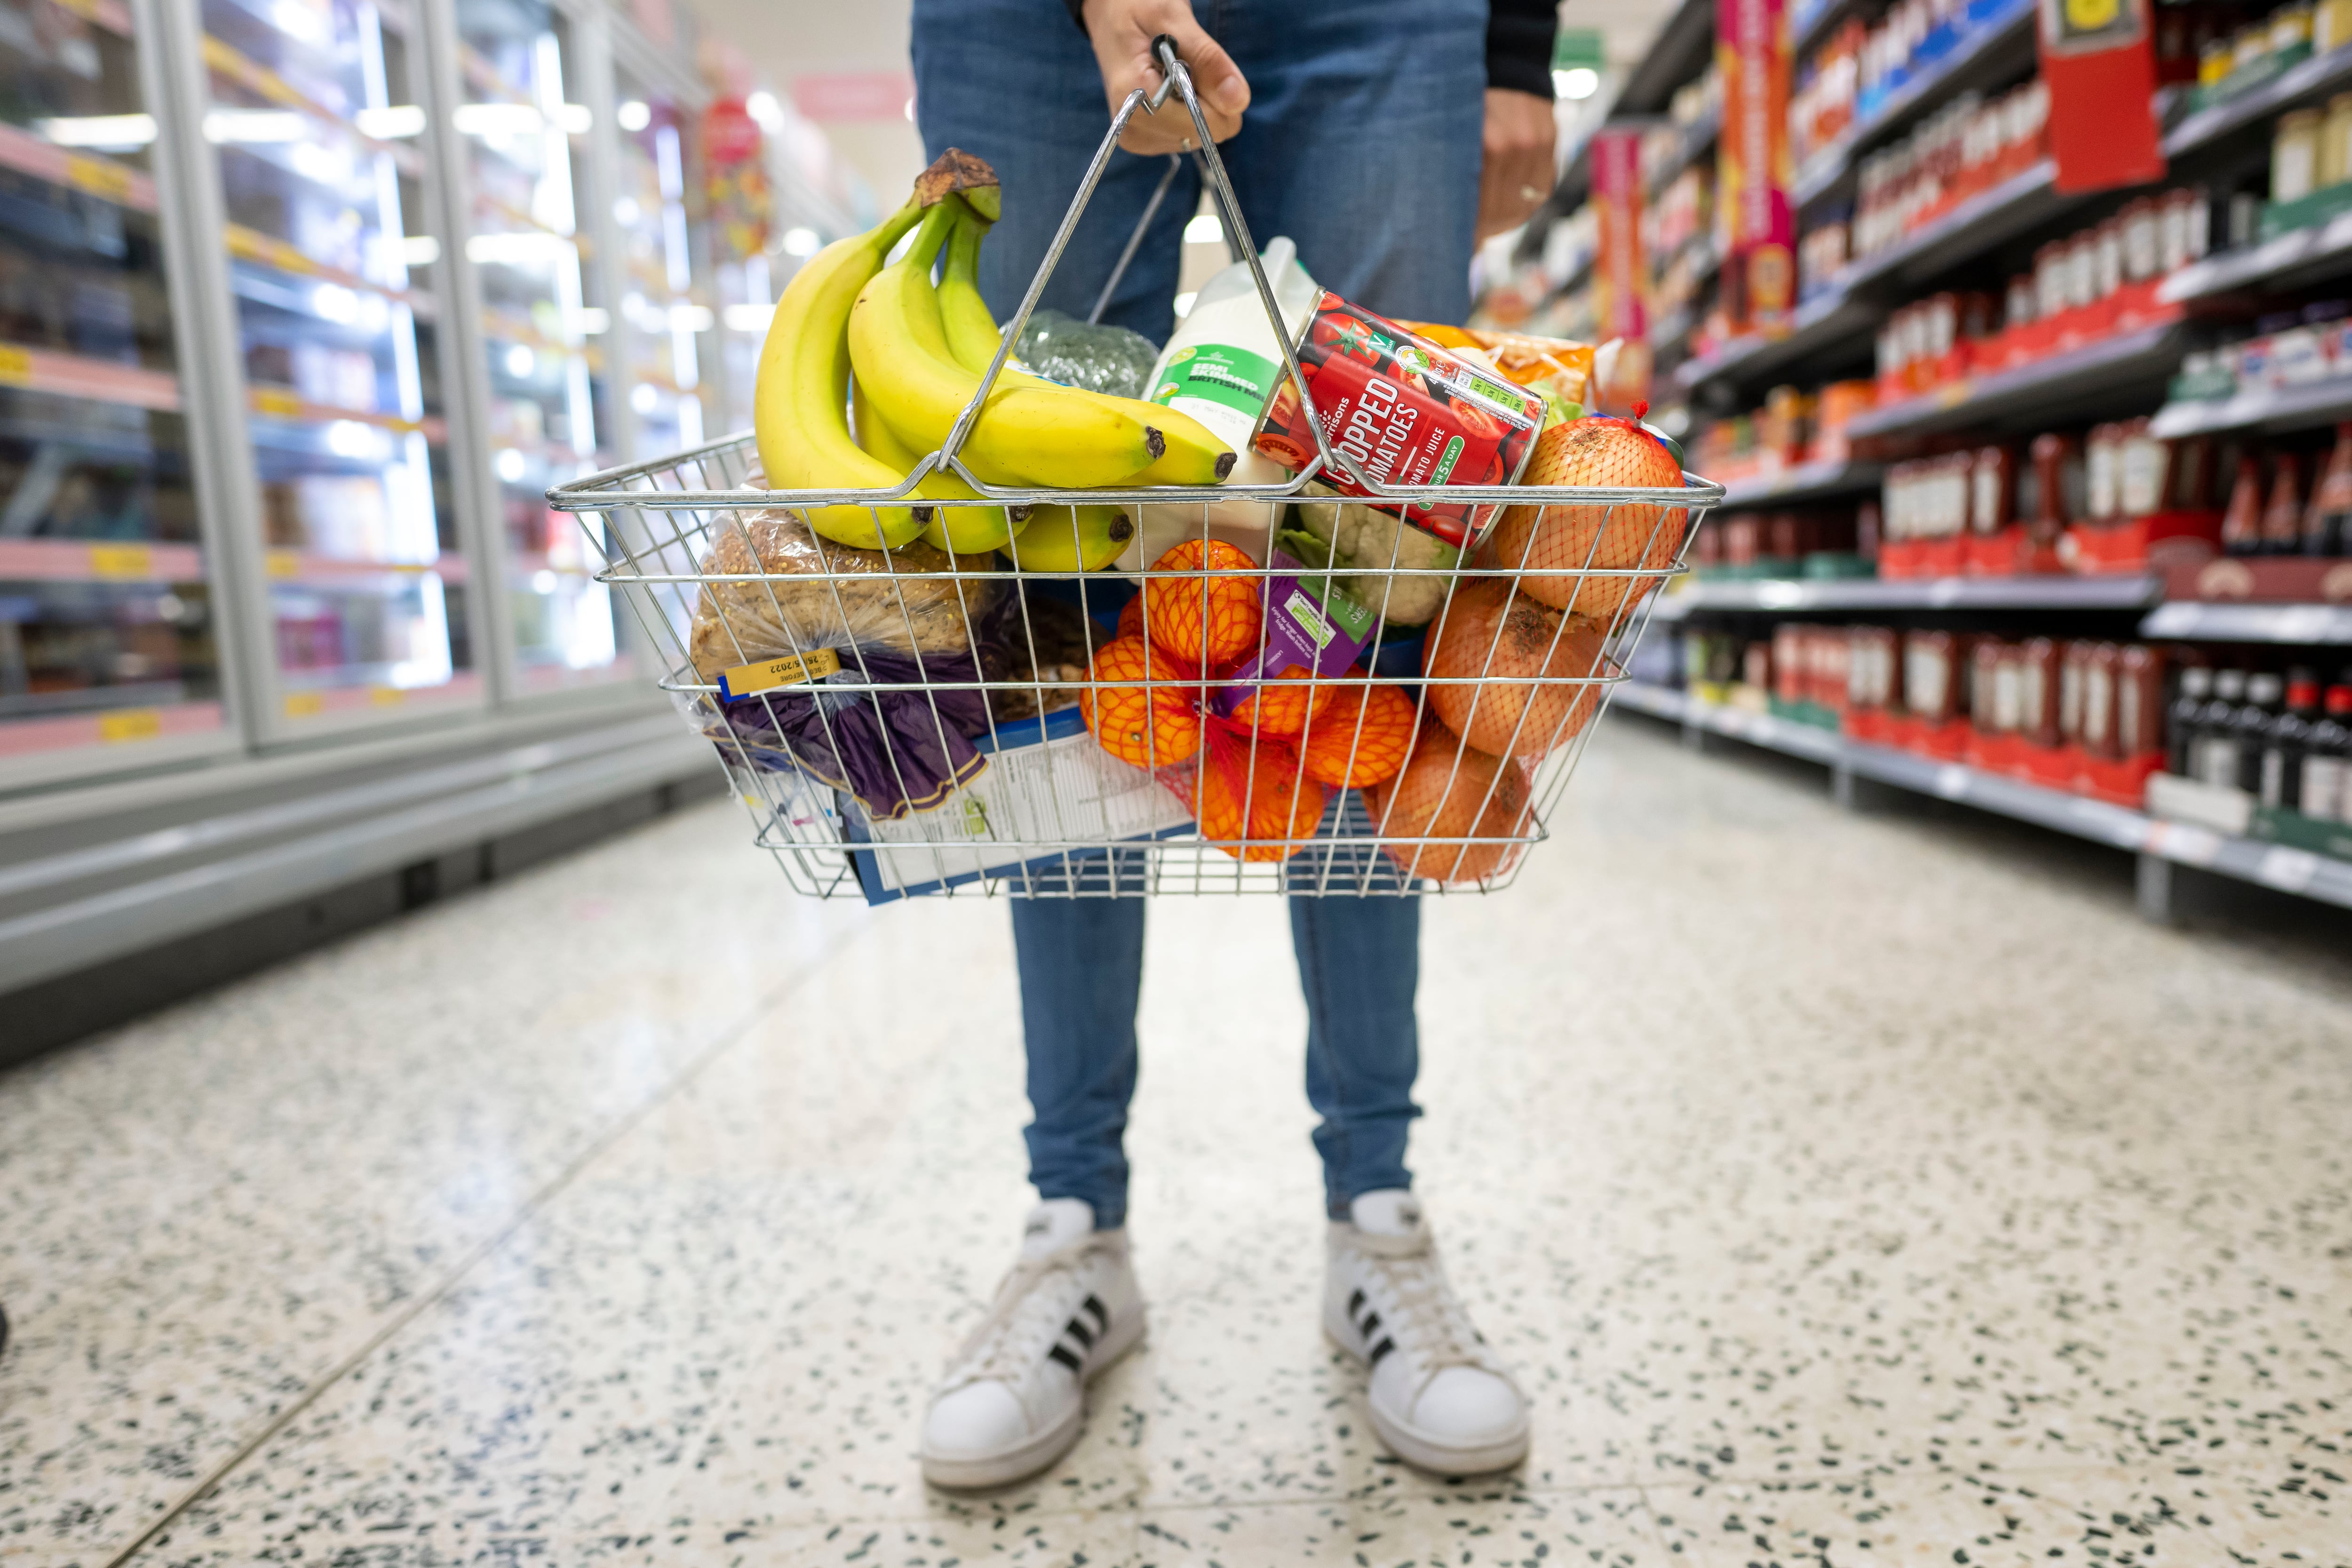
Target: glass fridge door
[[665, 303], [315, 119], [523, 143], [107, 655]]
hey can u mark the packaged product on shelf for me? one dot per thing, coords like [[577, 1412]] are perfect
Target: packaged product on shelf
[[1406, 411]]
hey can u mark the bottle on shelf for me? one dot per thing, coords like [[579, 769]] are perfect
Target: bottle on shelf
[[2186, 718], [2250, 727], [2242, 523], [2327, 760], [2217, 745], [2327, 524], [2281, 783], [2282, 518]]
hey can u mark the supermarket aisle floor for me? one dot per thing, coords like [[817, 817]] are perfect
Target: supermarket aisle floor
[[1845, 1196]]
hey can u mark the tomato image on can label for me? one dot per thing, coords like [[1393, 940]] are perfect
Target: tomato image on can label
[[1405, 411]]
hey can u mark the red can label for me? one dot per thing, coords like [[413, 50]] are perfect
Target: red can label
[[1406, 411]]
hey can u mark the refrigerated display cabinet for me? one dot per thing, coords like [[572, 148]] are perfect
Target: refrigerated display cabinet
[[523, 143], [303, 305], [316, 119], [108, 648], [666, 300]]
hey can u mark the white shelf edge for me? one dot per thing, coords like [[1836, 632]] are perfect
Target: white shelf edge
[[2279, 867]]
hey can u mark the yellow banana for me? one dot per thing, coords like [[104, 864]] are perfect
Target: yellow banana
[[800, 401], [958, 530], [1042, 435], [1194, 454], [1072, 539]]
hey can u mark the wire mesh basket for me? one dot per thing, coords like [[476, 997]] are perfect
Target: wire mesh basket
[[914, 721]]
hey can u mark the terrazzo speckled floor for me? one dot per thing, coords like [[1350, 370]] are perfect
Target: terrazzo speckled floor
[[1848, 1191]]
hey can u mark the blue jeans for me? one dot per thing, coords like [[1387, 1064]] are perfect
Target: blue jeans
[[1362, 143]]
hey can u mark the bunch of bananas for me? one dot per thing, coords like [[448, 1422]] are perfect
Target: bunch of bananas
[[918, 352]]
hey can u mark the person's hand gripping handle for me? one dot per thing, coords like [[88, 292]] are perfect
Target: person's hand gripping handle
[[1122, 32]]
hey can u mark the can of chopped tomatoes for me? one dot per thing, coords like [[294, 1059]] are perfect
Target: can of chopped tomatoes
[[1406, 411]]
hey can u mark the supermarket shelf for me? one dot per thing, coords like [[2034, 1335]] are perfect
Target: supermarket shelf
[[524, 223], [97, 380], [98, 561], [86, 171], [1824, 22], [2108, 369], [2020, 203], [1677, 54], [1806, 481], [303, 566], [1982, 57], [263, 82], [284, 403], [2306, 256], [1699, 139], [111, 14], [1798, 595], [66, 911], [252, 245], [2272, 866], [2265, 408], [1825, 319], [2314, 80], [2206, 621]]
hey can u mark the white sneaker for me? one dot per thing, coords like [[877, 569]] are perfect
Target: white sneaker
[[1440, 1397], [1015, 1397]]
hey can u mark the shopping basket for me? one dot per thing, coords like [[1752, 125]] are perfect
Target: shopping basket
[[905, 730]]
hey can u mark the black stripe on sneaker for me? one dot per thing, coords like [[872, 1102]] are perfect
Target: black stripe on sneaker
[[1102, 1314], [1371, 1321], [1063, 1353], [1080, 1332], [1378, 1351], [1355, 1305]]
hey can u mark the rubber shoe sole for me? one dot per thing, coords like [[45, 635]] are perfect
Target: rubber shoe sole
[[1426, 1451], [1039, 1452]]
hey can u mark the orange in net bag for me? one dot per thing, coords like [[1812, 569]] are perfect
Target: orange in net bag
[[1361, 737], [1281, 706], [1249, 796], [1155, 726], [1204, 621]]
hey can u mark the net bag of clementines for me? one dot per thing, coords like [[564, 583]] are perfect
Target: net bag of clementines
[[1304, 601]]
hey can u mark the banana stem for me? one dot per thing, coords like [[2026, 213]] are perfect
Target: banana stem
[[937, 224], [964, 249]]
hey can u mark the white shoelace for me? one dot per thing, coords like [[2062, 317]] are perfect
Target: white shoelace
[[1035, 1299], [1424, 1316]]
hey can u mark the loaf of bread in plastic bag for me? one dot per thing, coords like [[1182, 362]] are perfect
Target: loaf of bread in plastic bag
[[902, 599]]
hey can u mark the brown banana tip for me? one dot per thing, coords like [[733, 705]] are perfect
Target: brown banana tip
[[1225, 461], [922, 514], [1154, 443], [957, 170], [1122, 529], [1019, 513]]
